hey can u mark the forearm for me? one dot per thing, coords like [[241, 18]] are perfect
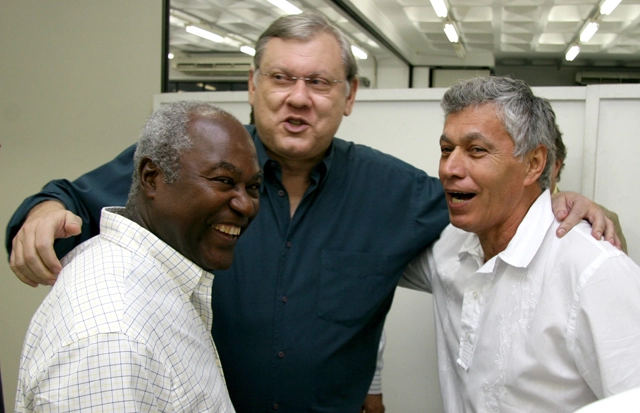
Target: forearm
[[107, 185]]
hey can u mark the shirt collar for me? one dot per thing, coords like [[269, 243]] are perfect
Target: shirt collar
[[525, 243], [132, 237]]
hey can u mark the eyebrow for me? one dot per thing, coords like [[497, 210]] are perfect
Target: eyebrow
[[467, 138], [289, 72], [228, 166]]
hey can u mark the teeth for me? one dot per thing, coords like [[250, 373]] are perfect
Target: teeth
[[460, 197], [295, 122], [228, 229]]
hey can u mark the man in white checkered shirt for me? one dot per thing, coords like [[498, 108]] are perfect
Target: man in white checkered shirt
[[127, 327]]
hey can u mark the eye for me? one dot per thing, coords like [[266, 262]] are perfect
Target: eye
[[477, 150], [280, 78], [223, 180], [319, 81], [254, 187], [445, 150]]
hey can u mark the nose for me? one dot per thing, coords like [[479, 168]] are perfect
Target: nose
[[299, 95], [244, 204], [452, 165]]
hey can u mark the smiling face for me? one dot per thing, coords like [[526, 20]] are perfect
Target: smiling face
[[488, 190], [216, 196], [298, 125]]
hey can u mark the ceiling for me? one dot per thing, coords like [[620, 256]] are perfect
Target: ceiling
[[509, 32]]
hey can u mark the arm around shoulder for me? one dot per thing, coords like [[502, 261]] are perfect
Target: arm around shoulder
[[54, 213]]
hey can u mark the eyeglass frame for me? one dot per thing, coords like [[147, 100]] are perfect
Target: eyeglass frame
[[294, 80]]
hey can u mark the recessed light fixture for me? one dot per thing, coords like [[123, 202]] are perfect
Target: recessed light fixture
[[286, 6], [248, 50], [588, 32], [450, 31], [440, 8], [205, 34], [572, 53], [359, 53], [608, 6]]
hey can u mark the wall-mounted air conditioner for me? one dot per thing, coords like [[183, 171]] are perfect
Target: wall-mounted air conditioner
[[606, 77], [213, 65]]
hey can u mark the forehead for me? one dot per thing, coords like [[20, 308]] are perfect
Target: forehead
[[320, 53], [476, 121], [220, 137]]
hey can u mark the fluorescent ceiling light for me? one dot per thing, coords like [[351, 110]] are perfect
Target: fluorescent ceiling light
[[359, 53], [451, 33], [608, 6], [205, 34], [572, 53], [286, 6], [177, 21], [232, 42], [248, 50], [171, 56], [588, 32], [439, 7]]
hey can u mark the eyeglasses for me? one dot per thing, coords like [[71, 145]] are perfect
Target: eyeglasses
[[282, 82]]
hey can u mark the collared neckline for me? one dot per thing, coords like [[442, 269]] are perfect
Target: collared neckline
[[131, 236], [525, 243], [319, 172]]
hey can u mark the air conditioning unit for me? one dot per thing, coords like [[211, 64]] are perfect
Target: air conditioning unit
[[213, 65], [602, 77]]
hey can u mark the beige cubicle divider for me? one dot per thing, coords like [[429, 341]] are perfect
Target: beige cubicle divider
[[599, 125]]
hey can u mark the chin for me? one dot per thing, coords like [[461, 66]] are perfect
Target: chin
[[461, 223], [215, 263]]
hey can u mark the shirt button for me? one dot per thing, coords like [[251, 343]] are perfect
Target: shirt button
[[281, 192], [288, 244], [281, 354], [285, 299]]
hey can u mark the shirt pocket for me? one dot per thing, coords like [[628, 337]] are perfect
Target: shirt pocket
[[353, 285]]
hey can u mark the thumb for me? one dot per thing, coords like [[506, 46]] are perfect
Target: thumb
[[72, 225]]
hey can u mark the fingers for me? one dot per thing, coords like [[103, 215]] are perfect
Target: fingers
[[610, 234], [571, 219], [33, 258], [18, 266]]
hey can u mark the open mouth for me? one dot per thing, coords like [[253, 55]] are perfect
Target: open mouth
[[295, 122], [460, 197], [228, 229]]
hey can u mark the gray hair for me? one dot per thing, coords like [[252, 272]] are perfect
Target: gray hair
[[164, 139], [305, 27], [529, 120]]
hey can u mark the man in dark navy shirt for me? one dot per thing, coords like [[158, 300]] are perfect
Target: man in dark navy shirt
[[298, 316]]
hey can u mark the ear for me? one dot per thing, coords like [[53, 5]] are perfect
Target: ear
[[536, 160], [252, 86], [149, 175], [352, 96]]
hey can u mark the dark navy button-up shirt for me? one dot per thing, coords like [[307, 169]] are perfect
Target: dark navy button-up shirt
[[298, 316]]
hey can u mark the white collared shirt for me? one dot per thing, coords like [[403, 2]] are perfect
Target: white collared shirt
[[547, 325], [127, 327]]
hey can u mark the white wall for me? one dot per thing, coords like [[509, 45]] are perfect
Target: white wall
[[76, 84]]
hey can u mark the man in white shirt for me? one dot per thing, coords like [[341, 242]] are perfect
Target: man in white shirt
[[127, 326], [525, 321]]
